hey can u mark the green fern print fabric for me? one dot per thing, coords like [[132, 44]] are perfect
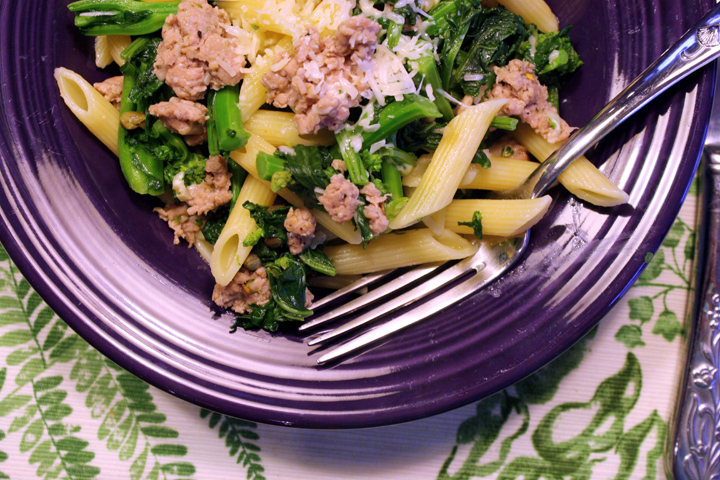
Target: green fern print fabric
[[600, 411]]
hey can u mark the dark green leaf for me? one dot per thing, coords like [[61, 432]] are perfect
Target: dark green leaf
[[32, 435], [641, 309], [155, 431], [675, 234], [179, 468], [19, 356], [48, 383], [667, 325], [15, 337], [654, 269], [30, 370], [630, 336], [689, 251], [169, 450], [52, 398], [57, 412]]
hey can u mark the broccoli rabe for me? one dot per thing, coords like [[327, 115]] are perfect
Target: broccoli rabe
[[309, 167], [287, 274], [269, 224], [121, 17], [141, 155], [475, 224], [225, 127], [553, 55]]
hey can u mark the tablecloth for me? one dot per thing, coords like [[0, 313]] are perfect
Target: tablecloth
[[601, 411]]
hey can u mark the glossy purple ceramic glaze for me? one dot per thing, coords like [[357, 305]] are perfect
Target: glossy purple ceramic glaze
[[106, 264]]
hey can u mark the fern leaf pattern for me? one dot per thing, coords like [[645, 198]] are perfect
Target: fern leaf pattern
[[40, 349], [240, 439]]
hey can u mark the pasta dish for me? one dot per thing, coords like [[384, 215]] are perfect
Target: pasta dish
[[309, 142]]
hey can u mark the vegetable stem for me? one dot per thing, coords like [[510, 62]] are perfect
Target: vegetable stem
[[398, 114], [227, 118], [353, 162], [142, 170], [120, 17]]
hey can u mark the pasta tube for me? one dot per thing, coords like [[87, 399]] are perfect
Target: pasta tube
[[278, 128], [399, 250], [252, 93], [502, 218], [90, 107], [503, 174], [533, 11], [229, 252], [451, 159], [581, 178], [266, 14]]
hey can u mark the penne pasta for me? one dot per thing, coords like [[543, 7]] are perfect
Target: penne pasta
[[582, 178], [108, 49], [116, 45], [399, 250], [266, 14], [278, 128], [503, 174], [503, 218], [452, 158], [103, 58], [533, 11], [229, 253], [252, 93], [90, 107]]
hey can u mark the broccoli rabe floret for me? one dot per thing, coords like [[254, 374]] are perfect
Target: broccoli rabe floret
[[553, 55]]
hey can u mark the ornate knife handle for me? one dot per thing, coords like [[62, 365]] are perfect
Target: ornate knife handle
[[695, 443]]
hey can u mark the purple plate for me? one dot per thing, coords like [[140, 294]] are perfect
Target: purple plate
[[106, 263]]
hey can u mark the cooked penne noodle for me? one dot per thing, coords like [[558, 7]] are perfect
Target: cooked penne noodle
[[581, 178], [204, 248], [533, 11], [103, 57], [252, 93], [266, 14], [503, 174], [399, 250], [460, 141], [503, 218], [116, 45], [108, 49], [90, 107], [246, 159], [229, 252], [278, 128]]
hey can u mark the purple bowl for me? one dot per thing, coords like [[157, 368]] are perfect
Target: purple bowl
[[106, 264]]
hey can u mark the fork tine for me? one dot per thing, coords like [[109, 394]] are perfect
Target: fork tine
[[482, 277], [353, 287], [406, 298], [360, 302]]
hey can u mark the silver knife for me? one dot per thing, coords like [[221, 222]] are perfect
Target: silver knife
[[694, 441]]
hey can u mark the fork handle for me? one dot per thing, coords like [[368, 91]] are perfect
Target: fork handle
[[694, 444], [699, 46]]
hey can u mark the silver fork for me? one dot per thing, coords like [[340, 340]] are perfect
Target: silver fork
[[699, 46]]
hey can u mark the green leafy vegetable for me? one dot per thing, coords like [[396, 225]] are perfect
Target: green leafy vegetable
[[318, 261], [475, 224], [310, 168], [270, 224], [141, 156], [120, 17], [553, 55]]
